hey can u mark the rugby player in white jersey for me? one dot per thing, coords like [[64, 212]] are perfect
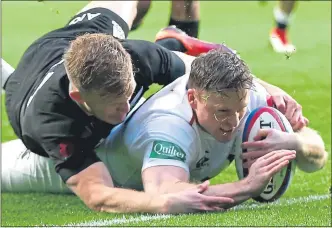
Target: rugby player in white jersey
[[187, 133]]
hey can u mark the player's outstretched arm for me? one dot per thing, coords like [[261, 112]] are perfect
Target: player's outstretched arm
[[155, 64], [308, 144], [260, 173], [95, 187], [166, 179]]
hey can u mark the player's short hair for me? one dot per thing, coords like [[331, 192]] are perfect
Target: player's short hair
[[98, 63], [218, 70]]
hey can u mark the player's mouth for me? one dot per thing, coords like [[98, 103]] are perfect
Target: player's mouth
[[226, 132]]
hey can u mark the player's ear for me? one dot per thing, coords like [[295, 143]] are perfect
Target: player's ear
[[192, 98], [76, 96]]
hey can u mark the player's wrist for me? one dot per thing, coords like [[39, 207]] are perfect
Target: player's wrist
[[248, 188], [160, 204], [297, 144]]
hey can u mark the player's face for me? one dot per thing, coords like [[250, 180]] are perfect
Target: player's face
[[112, 110], [220, 115]]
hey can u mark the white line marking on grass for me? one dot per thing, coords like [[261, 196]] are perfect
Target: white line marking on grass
[[281, 202], [144, 218]]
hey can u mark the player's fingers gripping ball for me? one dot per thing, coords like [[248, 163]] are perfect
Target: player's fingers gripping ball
[[265, 118]]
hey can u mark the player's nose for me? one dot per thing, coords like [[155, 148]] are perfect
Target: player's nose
[[233, 121]]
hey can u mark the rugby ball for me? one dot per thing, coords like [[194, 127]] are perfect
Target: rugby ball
[[266, 117]]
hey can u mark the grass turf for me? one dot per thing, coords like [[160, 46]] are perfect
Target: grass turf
[[244, 26]]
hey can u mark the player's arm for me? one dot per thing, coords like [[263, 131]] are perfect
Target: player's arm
[[163, 179], [170, 178], [167, 151], [167, 179], [308, 144], [156, 64], [83, 172], [95, 188], [311, 154], [170, 151], [260, 173], [286, 104]]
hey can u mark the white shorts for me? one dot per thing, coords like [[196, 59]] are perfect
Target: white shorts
[[24, 171]]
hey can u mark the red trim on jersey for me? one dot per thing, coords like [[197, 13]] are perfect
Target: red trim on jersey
[[66, 149], [192, 120], [269, 101]]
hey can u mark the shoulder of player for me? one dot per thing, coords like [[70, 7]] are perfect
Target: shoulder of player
[[167, 127], [171, 100], [159, 113], [258, 96], [164, 129]]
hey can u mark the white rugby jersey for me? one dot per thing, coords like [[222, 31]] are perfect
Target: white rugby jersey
[[163, 131]]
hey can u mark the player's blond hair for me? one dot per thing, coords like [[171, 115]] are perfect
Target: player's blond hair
[[98, 63]]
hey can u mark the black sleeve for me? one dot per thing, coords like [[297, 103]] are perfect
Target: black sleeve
[[153, 63], [56, 127], [97, 20], [58, 136]]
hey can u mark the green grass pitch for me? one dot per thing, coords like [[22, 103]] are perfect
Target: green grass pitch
[[244, 26]]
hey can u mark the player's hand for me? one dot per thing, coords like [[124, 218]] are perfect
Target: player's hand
[[265, 168], [289, 107], [193, 200], [265, 141]]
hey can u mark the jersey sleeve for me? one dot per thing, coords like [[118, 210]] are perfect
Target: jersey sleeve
[[58, 129], [153, 63], [165, 141], [69, 153], [259, 97]]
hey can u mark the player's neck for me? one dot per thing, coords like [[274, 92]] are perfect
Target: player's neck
[[85, 109], [198, 124]]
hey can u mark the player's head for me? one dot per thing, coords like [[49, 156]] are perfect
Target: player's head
[[218, 92], [101, 75]]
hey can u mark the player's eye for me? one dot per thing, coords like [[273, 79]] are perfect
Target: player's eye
[[223, 110]]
